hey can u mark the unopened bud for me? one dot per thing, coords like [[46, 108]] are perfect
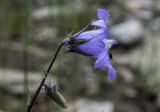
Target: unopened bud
[[55, 95]]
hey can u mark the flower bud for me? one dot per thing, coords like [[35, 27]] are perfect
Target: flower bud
[[55, 95]]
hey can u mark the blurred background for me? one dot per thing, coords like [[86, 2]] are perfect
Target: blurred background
[[30, 31]]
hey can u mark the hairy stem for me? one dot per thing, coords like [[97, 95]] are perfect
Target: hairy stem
[[43, 80]]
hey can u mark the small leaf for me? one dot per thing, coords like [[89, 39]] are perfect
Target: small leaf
[[28, 96], [42, 70]]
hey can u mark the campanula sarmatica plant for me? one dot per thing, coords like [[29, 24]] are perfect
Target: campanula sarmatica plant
[[92, 43]]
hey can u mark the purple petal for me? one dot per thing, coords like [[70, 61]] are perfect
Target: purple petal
[[102, 60], [91, 48], [95, 45], [111, 72], [110, 42], [90, 34], [103, 14], [100, 23]]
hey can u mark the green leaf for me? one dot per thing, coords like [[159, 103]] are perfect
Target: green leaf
[[43, 70], [28, 96]]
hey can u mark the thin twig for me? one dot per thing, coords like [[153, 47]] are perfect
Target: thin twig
[[43, 80]]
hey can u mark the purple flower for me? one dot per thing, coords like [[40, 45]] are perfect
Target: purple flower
[[97, 45]]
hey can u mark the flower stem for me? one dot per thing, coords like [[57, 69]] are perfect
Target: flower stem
[[43, 80]]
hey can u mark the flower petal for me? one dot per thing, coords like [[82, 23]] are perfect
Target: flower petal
[[102, 60], [95, 45], [90, 34], [103, 14], [100, 23], [110, 42], [111, 72]]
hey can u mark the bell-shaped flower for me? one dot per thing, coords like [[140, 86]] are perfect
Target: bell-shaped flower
[[96, 43]]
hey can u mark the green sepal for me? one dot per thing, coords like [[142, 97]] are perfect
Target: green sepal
[[76, 42], [77, 34], [79, 52]]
